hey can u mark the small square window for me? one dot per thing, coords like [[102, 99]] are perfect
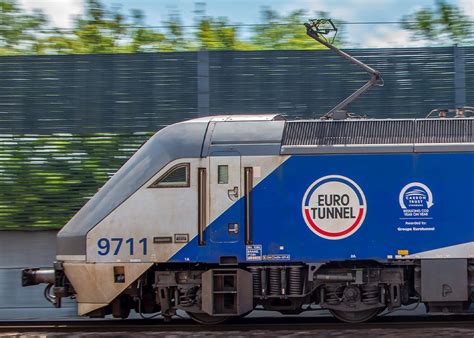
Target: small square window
[[223, 174]]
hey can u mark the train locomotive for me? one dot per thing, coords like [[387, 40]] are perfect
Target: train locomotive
[[221, 215]]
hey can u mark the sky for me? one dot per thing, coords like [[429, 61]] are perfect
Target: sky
[[248, 12]]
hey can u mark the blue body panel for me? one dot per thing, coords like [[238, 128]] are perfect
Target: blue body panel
[[279, 228]]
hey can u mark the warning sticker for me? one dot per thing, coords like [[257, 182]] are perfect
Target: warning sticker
[[253, 252]]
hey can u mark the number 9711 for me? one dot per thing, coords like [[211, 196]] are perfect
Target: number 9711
[[117, 245]]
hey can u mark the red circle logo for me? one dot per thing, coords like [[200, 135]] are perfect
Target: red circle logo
[[334, 207]]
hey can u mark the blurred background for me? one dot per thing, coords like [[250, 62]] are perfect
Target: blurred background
[[85, 82]]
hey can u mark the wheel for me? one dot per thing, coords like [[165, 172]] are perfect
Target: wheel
[[205, 319], [355, 316]]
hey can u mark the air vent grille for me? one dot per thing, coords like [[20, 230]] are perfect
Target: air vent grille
[[360, 132]]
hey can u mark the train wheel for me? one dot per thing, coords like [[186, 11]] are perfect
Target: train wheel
[[204, 318], [355, 316]]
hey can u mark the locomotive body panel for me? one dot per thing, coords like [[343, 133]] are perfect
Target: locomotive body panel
[[390, 229]]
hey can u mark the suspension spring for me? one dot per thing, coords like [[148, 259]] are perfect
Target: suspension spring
[[256, 281], [370, 294], [334, 293], [295, 280], [185, 301], [188, 297], [275, 281]]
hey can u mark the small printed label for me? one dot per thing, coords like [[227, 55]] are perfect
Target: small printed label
[[402, 252], [277, 257], [253, 252]]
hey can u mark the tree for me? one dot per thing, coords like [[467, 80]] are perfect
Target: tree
[[100, 30], [175, 40], [109, 30], [444, 24], [286, 32], [214, 34], [144, 39], [19, 30]]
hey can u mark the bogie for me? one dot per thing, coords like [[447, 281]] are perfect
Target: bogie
[[214, 294]]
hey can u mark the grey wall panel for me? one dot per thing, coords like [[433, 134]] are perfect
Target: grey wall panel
[[96, 93], [28, 303], [19, 249], [13, 295], [144, 92], [310, 83]]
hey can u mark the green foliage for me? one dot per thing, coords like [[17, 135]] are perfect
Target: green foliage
[[285, 32], [175, 40], [18, 30], [216, 34], [98, 31], [44, 180], [143, 39], [109, 30], [444, 24]]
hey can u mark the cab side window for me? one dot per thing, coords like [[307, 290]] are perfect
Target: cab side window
[[177, 177], [223, 174]]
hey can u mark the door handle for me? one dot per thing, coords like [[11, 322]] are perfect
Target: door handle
[[233, 228], [233, 193]]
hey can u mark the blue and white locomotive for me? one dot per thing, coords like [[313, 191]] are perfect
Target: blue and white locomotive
[[216, 216]]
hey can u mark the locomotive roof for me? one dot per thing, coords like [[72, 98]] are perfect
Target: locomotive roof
[[240, 118]]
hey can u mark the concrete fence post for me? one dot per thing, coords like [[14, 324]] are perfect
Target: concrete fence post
[[459, 77], [203, 82]]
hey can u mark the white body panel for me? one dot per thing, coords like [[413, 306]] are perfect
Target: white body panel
[[149, 213], [163, 212]]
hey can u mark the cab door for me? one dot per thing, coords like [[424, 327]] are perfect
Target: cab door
[[225, 214]]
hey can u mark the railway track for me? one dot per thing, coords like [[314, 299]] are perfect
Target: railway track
[[283, 325]]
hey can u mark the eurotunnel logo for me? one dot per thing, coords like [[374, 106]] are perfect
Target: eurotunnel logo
[[334, 207]]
